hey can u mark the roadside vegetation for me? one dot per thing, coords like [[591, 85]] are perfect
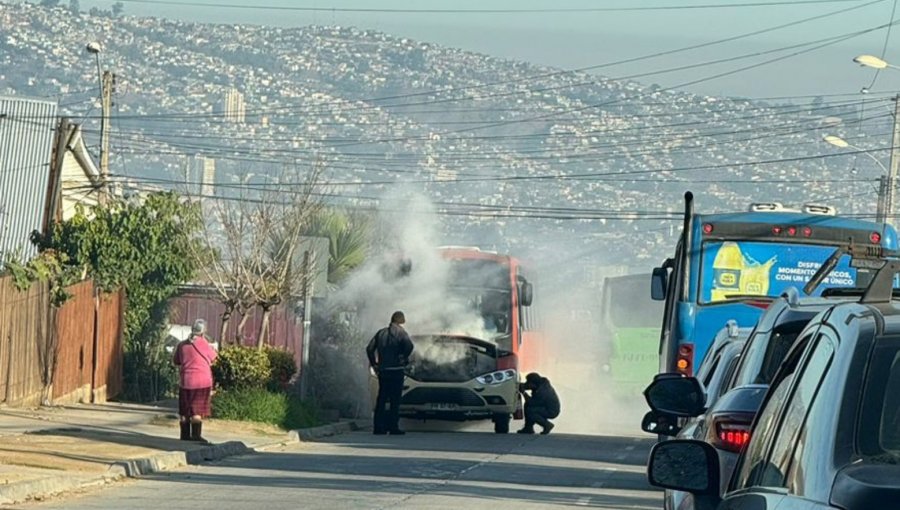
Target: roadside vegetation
[[256, 385]]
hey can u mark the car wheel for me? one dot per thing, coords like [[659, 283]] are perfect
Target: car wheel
[[501, 423]]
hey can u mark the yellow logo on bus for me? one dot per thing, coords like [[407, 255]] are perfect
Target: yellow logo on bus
[[736, 274]]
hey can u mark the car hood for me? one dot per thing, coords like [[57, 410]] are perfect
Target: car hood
[[451, 358], [867, 485]]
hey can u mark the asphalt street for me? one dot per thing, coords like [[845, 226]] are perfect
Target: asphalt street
[[470, 469]]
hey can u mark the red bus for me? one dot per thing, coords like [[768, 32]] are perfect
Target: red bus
[[469, 361]]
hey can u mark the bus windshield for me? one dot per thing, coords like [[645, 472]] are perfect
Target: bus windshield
[[734, 269], [483, 289]]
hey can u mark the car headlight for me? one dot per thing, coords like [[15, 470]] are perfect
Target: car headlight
[[497, 377]]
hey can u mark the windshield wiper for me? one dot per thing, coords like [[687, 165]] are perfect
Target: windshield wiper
[[824, 270], [748, 297]]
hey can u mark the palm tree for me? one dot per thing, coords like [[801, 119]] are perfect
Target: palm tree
[[348, 241]]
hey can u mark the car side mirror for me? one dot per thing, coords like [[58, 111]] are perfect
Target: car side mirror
[[685, 465], [678, 396], [660, 424], [659, 282]]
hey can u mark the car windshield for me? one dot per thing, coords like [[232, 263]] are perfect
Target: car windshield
[[879, 434]]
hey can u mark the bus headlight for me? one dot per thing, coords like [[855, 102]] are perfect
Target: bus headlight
[[497, 377]]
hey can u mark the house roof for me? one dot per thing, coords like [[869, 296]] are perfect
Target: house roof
[[26, 146]]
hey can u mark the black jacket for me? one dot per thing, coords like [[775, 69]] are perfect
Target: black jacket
[[390, 348], [543, 395]]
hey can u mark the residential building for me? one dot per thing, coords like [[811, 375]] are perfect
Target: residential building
[[235, 110]]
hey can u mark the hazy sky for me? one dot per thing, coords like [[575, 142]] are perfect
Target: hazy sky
[[571, 40]]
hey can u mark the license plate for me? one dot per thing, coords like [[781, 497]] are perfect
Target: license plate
[[444, 407]]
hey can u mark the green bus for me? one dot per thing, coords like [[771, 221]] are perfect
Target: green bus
[[630, 325]]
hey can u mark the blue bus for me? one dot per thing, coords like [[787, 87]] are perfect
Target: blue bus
[[731, 266]]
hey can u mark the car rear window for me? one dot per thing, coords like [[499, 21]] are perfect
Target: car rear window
[[764, 356], [890, 415]]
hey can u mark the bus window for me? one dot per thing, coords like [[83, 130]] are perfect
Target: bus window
[[736, 269]]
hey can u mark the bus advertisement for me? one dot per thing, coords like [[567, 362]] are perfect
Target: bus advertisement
[[731, 266]]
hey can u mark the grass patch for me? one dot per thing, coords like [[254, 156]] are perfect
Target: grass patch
[[264, 406]]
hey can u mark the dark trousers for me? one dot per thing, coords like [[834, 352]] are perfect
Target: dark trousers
[[387, 406], [539, 415]]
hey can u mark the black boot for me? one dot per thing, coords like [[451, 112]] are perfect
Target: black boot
[[185, 430], [196, 432]]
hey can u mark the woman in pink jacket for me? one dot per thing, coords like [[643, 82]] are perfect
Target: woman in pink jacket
[[194, 358]]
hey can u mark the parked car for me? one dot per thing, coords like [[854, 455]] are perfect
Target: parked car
[[714, 372], [828, 433], [725, 422]]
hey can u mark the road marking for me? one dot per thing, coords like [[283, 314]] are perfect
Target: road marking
[[629, 448], [585, 501]]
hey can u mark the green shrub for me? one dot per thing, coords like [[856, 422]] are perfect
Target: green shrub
[[241, 367], [264, 406], [283, 368]]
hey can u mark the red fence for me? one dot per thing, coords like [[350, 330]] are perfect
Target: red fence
[[77, 347], [285, 328]]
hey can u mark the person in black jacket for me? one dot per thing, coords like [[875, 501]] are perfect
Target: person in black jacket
[[388, 353], [541, 406]]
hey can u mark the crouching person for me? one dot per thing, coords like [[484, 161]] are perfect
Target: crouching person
[[541, 405], [194, 358]]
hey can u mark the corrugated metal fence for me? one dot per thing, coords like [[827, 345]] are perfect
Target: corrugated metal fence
[[26, 143], [285, 328], [78, 346]]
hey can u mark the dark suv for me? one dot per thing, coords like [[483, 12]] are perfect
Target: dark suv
[[828, 433]]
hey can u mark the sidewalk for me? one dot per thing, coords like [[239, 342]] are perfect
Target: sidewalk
[[46, 451]]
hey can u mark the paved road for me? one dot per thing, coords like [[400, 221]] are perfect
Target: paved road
[[422, 470]]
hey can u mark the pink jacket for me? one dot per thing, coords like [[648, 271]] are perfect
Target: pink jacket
[[195, 357]]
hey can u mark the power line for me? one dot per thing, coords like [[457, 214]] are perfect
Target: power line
[[544, 75], [887, 40], [571, 10]]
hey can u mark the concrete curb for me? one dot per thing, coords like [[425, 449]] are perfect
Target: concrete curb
[[130, 468], [43, 488], [333, 429]]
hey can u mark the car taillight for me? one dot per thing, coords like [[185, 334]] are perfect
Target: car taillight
[[875, 237], [684, 363], [508, 362], [732, 436]]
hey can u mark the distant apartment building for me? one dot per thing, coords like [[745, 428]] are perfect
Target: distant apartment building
[[445, 175], [200, 176], [235, 110]]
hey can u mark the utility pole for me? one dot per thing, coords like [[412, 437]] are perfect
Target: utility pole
[[307, 323], [880, 213], [107, 83], [891, 184]]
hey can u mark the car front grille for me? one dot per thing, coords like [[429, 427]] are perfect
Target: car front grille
[[459, 396]]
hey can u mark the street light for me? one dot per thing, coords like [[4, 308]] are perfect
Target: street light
[[886, 196], [873, 62], [106, 82], [95, 48], [885, 180], [840, 143]]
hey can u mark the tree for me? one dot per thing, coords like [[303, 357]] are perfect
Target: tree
[[144, 248], [49, 3], [253, 239], [282, 218], [74, 6], [117, 9], [348, 240]]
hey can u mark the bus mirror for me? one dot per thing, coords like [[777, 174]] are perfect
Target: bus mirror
[[526, 294], [658, 284]]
